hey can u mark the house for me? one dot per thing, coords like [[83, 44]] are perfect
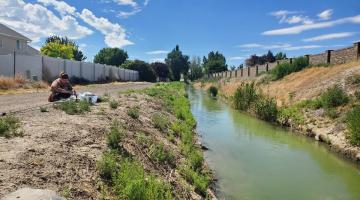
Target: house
[[12, 41]]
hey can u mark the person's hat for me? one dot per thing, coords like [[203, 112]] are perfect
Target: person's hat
[[64, 75]]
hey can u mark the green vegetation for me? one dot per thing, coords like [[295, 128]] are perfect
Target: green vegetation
[[201, 181], [213, 91], [57, 50], [294, 113], [284, 69], [353, 125], [215, 62], [115, 135], [10, 127], [146, 73], [160, 122], [104, 98], [178, 63], [108, 165], [245, 96], [73, 107], [266, 109], [66, 192], [111, 56], [334, 97], [159, 154], [196, 69], [113, 104], [133, 112], [63, 43], [162, 70], [357, 94]]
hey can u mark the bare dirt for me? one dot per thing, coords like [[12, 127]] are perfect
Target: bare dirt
[[59, 151]]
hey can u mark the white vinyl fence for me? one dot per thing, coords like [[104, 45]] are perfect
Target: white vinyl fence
[[47, 68]]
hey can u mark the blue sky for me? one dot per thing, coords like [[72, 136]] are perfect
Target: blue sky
[[148, 29]]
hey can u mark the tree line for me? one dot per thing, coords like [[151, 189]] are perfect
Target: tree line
[[175, 65]]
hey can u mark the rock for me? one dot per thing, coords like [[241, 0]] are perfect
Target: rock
[[32, 194], [319, 112]]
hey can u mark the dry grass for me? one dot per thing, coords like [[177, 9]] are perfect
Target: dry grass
[[19, 82]]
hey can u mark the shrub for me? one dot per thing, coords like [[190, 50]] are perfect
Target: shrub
[[107, 166], [213, 91], [9, 126], [115, 135], [200, 181], [292, 113], [113, 104], [133, 112], [160, 122], [73, 107], [334, 97], [284, 69], [160, 155], [196, 160], [353, 125], [104, 98], [265, 108], [132, 183], [244, 96]]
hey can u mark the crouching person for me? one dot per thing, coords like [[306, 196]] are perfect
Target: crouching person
[[61, 88]]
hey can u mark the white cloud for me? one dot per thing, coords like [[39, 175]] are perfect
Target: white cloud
[[237, 58], [326, 14], [62, 7], [115, 35], [36, 21], [125, 14], [289, 17], [157, 52], [292, 48], [319, 25], [263, 46], [329, 36], [131, 3], [146, 2]]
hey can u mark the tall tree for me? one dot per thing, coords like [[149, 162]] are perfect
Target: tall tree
[[161, 69], [280, 56], [57, 50], [77, 53], [215, 62], [178, 63], [146, 73], [111, 56], [196, 70], [270, 57]]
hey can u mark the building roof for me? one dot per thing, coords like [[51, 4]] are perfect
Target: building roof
[[4, 30]]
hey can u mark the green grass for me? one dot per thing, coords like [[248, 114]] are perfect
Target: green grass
[[160, 154], [104, 98], [245, 96], [113, 104], [284, 69], [115, 135], [73, 107], [133, 112], [292, 113], [10, 127], [334, 97], [353, 125], [266, 109], [200, 181], [160, 122]]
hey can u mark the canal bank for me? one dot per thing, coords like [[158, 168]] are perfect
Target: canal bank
[[256, 160]]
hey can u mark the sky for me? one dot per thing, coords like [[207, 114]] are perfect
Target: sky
[[149, 29]]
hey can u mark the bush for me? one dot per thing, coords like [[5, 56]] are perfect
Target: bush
[[132, 183], [133, 112], [160, 122], [104, 98], [160, 155], [196, 160], [334, 97], [146, 73], [107, 166], [213, 91], [266, 109], [74, 107], [200, 181], [353, 125], [9, 126], [115, 135], [284, 69], [113, 104], [244, 96], [292, 113]]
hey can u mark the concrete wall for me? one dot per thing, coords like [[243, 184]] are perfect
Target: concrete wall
[[343, 55], [48, 69], [317, 59]]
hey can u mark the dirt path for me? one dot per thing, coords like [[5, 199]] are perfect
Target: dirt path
[[19, 102]]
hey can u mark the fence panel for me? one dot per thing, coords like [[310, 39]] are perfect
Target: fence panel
[[72, 68], [87, 70], [114, 73], [29, 66], [7, 65], [52, 67], [99, 72]]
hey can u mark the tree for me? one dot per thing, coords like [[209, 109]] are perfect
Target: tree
[[111, 56], [178, 63], [161, 69], [196, 70], [57, 50], [146, 73], [270, 57], [232, 68], [241, 66], [77, 54], [215, 62], [280, 56]]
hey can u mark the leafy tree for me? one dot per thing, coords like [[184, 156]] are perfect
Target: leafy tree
[[215, 62], [178, 63], [252, 61], [280, 56], [241, 66], [270, 57], [146, 73], [161, 69], [233, 67], [111, 56], [77, 54], [57, 50], [196, 70]]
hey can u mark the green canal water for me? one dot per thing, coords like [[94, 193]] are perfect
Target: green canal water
[[256, 160]]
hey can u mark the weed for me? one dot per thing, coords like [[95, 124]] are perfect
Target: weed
[[10, 127], [334, 97], [200, 181], [292, 113], [353, 125], [213, 91], [115, 135], [66, 192], [108, 166], [244, 96], [133, 112], [331, 112], [265, 108], [104, 98], [159, 154], [160, 122], [284, 69], [74, 107], [113, 104]]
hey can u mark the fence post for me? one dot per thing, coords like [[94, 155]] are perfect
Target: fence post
[[357, 50], [267, 67], [257, 70], [94, 71], [291, 60], [236, 73], [242, 72], [248, 71], [328, 56]]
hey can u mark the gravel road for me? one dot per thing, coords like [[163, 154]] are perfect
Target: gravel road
[[20, 102]]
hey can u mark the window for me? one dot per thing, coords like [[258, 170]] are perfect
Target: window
[[18, 44]]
